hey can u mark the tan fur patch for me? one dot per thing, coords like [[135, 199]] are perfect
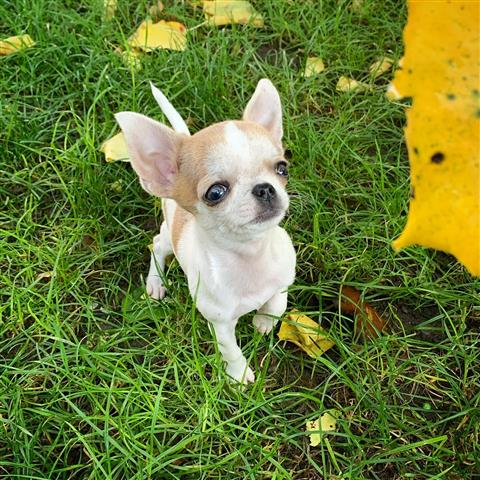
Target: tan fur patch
[[250, 128], [194, 156], [192, 165], [180, 219]]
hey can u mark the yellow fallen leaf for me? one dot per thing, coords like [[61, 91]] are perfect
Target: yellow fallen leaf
[[346, 84], [168, 35], [326, 423], [15, 44], [380, 66], [109, 9], [313, 66], [115, 148], [306, 333], [440, 73], [224, 12]]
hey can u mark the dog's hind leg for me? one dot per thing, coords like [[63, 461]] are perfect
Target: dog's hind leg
[[162, 248]]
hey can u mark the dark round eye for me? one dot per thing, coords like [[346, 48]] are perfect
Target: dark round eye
[[282, 169], [216, 193]]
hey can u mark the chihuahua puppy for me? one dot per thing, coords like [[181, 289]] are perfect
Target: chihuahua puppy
[[223, 192]]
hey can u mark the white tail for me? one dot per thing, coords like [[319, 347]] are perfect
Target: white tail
[[169, 111]]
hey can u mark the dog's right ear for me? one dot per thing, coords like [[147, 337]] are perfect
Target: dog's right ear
[[153, 150]]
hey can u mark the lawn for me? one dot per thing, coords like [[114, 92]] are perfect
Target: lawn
[[97, 381]]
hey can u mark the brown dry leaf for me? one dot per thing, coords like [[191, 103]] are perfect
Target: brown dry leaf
[[380, 66], [306, 333], [168, 35], [440, 73], [225, 12], [368, 321], [347, 84], [109, 9], [313, 66], [15, 44], [326, 423], [115, 148]]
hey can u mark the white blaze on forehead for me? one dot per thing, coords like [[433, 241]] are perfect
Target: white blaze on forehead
[[235, 138], [240, 151]]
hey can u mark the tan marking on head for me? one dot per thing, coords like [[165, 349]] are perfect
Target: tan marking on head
[[195, 168], [180, 218], [192, 164], [251, 128]]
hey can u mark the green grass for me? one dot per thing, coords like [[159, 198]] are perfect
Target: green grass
[[97, 382]]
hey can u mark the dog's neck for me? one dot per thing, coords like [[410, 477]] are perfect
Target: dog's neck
[[242, 244]]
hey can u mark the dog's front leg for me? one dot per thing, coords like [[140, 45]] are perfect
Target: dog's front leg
[[162, 248], [236, 364], [265, 319]]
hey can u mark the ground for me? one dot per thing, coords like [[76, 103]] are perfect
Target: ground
[[97, 382]]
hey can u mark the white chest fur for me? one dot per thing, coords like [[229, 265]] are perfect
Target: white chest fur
[[228, 283]]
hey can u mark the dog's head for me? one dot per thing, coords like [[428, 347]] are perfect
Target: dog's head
[[231, 175]]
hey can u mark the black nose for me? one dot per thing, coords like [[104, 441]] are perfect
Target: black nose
[[264, 192]]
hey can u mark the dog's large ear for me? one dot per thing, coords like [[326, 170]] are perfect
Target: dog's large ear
[[265, 108], [153, 150]]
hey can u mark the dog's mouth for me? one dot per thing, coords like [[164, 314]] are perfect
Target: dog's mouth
[[267, 215]]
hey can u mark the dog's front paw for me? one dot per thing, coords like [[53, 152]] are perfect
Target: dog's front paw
[[264, 324], [240, 372], [155, 287]]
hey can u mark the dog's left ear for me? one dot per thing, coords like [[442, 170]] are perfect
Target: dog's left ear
[[265, 108]]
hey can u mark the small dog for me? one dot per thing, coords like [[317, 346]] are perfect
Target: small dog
[[223, 192]]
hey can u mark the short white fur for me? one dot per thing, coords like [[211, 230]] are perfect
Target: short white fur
[[234, 262]]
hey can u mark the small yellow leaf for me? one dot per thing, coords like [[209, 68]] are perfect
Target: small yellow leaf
[[168, 35], [314, 426], [380, 66], [15, 44], [109, 9], [117, 186], [326, 423], [440, 73], [357, 6], [115, 148], [131, 58], [346, 84], [224, 12], [305, 333], [156, 9], [313, 66], [44, 276]]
